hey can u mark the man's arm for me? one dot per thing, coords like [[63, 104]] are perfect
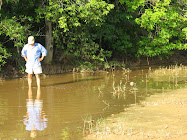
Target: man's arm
[[25, 58], [24, 53], [43, 52], [42, 58]]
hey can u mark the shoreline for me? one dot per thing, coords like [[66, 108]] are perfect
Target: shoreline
[[160, 116]]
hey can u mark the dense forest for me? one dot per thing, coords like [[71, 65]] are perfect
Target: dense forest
[[92, 33]]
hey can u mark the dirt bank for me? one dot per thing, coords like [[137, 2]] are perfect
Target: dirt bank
[[159, 117]]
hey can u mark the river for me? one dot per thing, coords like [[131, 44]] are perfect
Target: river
[[65, 104]]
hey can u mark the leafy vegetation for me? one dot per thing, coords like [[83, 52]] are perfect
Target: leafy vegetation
[[91, 33], [164, 22]]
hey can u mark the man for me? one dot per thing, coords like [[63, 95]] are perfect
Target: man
[[31, 53]]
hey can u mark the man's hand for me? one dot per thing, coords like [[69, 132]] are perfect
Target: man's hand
[[41, 59], [25, 58]]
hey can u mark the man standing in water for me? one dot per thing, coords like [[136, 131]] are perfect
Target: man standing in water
[[32, 54]]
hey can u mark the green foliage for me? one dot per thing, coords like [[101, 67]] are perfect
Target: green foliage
[[83, 13], [73, 23], [133, 5], [13, 33], [113, 34], [3, 55], [14, 30], [96, 32], [166, 29]]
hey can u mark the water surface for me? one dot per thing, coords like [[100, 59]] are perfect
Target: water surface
[[64, 104]]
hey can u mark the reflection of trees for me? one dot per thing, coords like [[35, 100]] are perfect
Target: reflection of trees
[[3, 113], [144, 86], [3, 110], [171, 77], [11, 115], [157, 86]]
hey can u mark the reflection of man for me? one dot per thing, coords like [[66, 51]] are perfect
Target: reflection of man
[[34, 119]]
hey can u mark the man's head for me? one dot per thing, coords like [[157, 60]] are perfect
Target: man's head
[[31, 40]]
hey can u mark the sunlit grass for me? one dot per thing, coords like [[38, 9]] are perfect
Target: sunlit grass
[[119, 89], [168, 73]]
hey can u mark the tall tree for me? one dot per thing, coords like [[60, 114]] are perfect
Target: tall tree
[[164, 24], [15, 25], [71, 20]]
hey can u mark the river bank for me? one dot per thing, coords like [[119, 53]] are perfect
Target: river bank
[[11, 71], [159, 117]]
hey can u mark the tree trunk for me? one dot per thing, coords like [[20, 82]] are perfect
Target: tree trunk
[[48, 42], [1, 2]]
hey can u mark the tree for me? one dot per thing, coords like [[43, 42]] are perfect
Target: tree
[[48, 41], [67, 20], [15, 25], [71, 20], [117, 33], [164, 22]]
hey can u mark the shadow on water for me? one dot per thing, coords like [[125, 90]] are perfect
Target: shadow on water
[[70, 82]]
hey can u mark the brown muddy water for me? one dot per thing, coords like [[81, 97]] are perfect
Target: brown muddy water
[[66, 102]]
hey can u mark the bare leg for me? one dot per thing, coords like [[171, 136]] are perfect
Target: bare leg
[[38, 93], [29, 80], [38, 80], [30, 93]]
